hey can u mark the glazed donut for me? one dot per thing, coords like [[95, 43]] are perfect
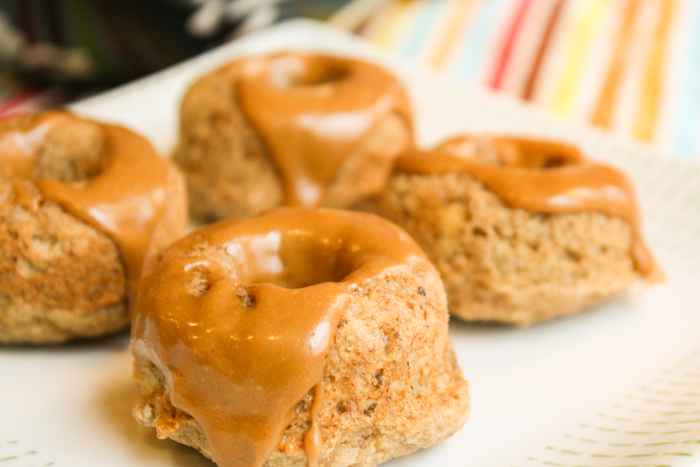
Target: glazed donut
[[520, 230], [290, 129], [81, 205], [300, 335]]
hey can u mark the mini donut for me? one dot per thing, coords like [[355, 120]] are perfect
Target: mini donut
[[297, 337], [520, 230], [290, 129], [81, 205]]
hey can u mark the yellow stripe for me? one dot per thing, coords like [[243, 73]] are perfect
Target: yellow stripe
[[457, 17], [370, 30], [650, 97], [396, 16], [580, 44]]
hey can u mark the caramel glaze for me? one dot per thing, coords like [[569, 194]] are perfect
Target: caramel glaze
[[239, 317], [20, 145], [124, 201], [313, 111], [539, 176]]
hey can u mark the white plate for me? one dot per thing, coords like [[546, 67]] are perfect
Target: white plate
[[615, 386]]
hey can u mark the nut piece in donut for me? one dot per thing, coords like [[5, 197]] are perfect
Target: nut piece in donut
[[290, 129], [499, 219], [63, 274], [297, 337]]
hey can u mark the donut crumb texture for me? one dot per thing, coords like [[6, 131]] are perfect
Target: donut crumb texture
[[60, 278], [229, 168], [391, 382], [510, 265]]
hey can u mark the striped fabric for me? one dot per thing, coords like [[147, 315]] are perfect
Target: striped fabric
[[16, 97], [632, 66]]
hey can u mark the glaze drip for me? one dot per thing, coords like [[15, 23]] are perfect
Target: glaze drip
[[124, 200], [313, 440], [240, 315], [313, 112], [538, 176]]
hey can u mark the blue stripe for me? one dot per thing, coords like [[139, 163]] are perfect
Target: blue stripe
[[423, 27], [687, 124], [474, 44]]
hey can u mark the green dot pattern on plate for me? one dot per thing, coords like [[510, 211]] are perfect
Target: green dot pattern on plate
[[14, 454], [656, 425]]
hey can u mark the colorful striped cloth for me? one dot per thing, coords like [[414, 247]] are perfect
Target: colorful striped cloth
[[632, 66], [17, 97]]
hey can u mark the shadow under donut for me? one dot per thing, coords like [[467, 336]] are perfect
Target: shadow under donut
[[113, 403]]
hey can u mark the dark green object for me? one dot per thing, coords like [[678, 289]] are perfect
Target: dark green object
[[106, 42]]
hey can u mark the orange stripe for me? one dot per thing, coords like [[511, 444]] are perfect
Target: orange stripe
[[457, 19], [652, 84], [533, 76], [602, 115]]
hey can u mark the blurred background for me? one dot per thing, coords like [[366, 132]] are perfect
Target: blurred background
[[631, 66]]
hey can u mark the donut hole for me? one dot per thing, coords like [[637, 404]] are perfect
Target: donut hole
[[291, 261], [513, 152], [305, 265], [535, 160], [537, 154], [317, 74], [552, 161], [73, 153], [59, 148]]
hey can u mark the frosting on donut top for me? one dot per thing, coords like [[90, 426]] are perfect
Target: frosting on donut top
[[539, 176], [313, 111], [123, 196], [239, 317], [19, 145]]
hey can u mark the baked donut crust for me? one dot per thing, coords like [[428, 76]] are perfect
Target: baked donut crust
[[231, 164], [390, 380], [508, 264], [62, 277]]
